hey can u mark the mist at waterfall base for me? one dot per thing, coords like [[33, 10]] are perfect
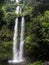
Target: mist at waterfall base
[[18, 54]]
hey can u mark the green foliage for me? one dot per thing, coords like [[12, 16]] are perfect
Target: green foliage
[[6, 37], [27, 10], [38, 5], [45, 19], [37, 39], [10, 18], [36, 63], [1, 17], [5, 48]]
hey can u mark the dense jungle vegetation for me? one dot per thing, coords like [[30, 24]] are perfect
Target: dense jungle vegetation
[[36, 13]]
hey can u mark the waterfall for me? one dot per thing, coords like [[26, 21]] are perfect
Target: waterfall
[[15, 51], [18, 54], [17, 1], [22, 38]]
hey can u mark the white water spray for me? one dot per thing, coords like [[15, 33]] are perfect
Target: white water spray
[[18, 54]]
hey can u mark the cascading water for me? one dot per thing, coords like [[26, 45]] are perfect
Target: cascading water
[[18, 54], [22, 39], [15, 51]]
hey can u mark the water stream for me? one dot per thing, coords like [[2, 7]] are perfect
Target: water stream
[[18, 54]]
